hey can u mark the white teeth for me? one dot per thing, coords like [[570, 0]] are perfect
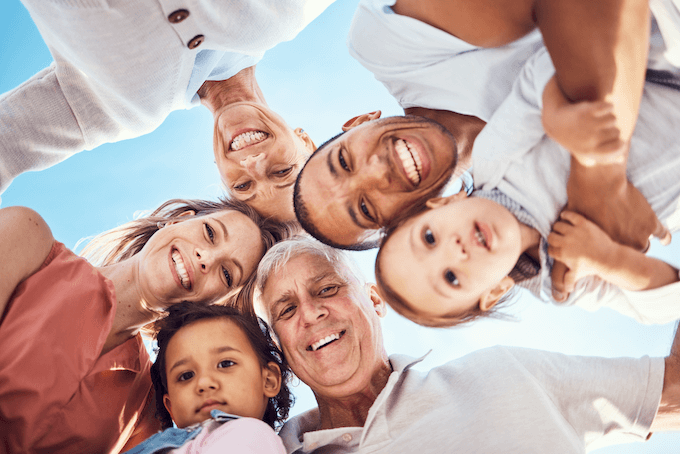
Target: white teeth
[[320, 343], [181, 270], [247, 138], [480, 236], [410, 160]]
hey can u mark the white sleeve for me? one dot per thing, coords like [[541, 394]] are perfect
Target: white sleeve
[[37, 127], [656, 306], [605, 400], [516, 127]]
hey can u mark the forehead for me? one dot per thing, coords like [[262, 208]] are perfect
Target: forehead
[[204, 335]]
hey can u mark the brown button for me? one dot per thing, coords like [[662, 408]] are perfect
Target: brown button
[[178, 16], [196, 41]]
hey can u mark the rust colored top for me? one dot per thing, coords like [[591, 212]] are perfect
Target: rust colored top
[[57, 394]]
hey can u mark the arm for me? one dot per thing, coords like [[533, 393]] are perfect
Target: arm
[[588, 251], [668, 414], [609, 39], [37, 127], [25, 242]]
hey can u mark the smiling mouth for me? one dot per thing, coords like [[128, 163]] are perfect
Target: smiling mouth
[[410, 160], [181, 269], [479, 236], [247, 139], [325, 341]]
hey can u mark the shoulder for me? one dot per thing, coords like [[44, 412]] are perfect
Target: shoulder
[[25, 224], [24, 236]]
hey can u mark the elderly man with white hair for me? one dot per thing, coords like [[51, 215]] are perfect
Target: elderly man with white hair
[[499, 399]]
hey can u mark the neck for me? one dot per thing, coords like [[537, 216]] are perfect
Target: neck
[[131, 312], [464, 128], [352, 410], [530, 240], [242, 87]]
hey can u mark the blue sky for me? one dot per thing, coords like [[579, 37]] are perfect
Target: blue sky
[[314, 84]]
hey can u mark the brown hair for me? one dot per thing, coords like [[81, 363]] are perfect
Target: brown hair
[[123, 242]]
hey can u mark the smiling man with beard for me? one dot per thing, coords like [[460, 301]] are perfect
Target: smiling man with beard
[[500, 399]]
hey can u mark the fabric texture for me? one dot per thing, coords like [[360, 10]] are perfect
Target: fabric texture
[[57, 394], [422, 66], [222, 433], [120, 67], [513, 155], [500, 399]]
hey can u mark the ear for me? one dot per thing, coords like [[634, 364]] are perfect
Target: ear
[[309, 143], [378, 302], [490, 297], [359, 119], [168, 405], [271, 377], [181, 215], [437, 202]]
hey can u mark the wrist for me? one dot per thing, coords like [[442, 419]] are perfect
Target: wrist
[[584, 179]]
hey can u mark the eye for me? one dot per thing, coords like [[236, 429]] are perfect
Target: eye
[[211, 233], [282, 172], [365, 211], [342, 161], [185, 376], [428, 237], [287, 311], [451, 278], [227, 276], [242, 186], [224, 364], [329, 290]]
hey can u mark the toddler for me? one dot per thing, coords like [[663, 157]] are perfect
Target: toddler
[[221, 379], [458, 259]]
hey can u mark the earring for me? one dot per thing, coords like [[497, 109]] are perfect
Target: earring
[[160, 224]]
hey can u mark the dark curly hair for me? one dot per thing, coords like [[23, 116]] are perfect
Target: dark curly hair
[[185, 313]]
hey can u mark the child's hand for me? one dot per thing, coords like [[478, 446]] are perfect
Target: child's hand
[[587, 129], [582, 246]]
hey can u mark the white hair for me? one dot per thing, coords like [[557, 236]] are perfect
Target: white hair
[[283, 252]]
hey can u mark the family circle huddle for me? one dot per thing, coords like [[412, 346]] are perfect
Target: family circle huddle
[[317, 226]]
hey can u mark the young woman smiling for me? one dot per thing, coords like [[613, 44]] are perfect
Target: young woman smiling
[[75, 372]]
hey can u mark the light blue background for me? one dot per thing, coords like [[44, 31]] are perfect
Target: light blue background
[[314, 84]]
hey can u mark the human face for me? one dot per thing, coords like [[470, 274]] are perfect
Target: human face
[[449, 259], [374, 171], [328, 325], [200, 258], [259, 157], [211, 365]]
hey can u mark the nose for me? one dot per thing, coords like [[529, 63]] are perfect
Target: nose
[[456, 248], [206, 260], [312, 311], [206, 382], [255, 165], [375, 174]]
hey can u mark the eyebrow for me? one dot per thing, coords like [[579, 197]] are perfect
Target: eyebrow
[[355, 218], [330, 163], [223, 349], [226, 235]]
